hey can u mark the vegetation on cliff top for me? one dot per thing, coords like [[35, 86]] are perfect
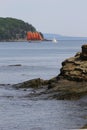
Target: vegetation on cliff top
[[14, 29]]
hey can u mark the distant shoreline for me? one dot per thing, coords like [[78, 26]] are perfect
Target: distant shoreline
[[16, 40], [45, 40], [24, 40]]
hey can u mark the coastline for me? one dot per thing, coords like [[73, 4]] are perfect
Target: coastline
[[16, 40], [63, 87], [25, 40], [70, 84]]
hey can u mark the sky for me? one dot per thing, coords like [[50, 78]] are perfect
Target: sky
[[64, 17]]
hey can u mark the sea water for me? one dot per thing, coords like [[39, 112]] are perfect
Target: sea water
[[21, 61]]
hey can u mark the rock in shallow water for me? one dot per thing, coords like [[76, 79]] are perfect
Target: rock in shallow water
[[70, 84], [34, 83]]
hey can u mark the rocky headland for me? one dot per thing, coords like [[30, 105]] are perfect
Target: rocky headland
[[15, 30], [70, 84]]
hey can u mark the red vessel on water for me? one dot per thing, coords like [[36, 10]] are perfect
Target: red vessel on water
[[34, 36]]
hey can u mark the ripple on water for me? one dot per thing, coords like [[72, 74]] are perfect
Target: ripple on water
[[23, 114]]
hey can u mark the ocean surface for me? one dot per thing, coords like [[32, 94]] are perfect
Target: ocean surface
[[21, 61]]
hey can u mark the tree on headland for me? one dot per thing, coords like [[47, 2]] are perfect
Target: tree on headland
[[14, 29]]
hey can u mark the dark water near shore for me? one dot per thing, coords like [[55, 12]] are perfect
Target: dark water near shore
[[21, 61]]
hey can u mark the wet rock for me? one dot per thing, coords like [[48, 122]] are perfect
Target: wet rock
[[34, 83], [70, 90]]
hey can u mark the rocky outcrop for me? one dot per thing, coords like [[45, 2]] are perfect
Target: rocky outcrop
[[34, 83], [70, 84], [75, 68]]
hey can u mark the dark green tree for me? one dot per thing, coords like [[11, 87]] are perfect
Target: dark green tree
[[12, 29]]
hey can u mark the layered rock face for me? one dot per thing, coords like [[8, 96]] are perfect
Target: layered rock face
[[75, 68]]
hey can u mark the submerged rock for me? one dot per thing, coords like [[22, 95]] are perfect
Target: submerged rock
[[16, 65], [70, 84]]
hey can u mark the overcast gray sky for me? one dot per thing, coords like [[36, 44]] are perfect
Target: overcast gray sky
[[65, 17]]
